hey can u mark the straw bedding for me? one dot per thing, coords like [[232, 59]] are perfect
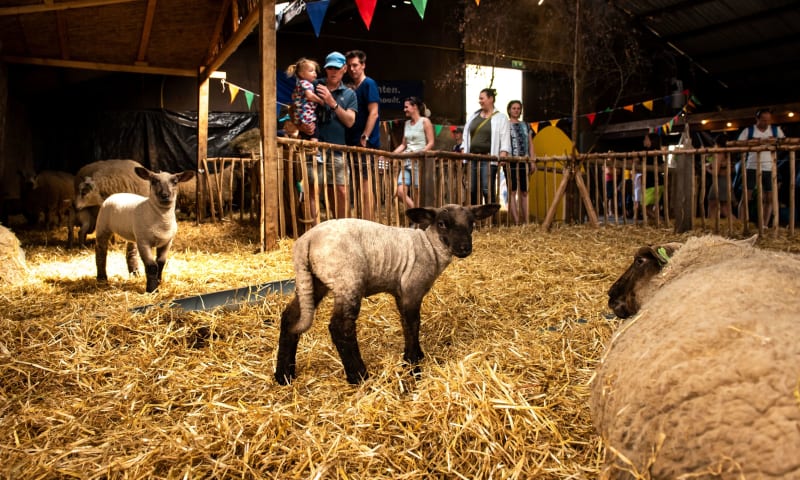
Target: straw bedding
[[512, 335]]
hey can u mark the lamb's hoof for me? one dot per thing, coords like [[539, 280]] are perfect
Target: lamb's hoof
[[358, 377], [102, 279], [134, 273], [284, 378]]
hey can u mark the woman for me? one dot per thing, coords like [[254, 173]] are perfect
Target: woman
[[418, 136], [486, 132], [521, 146]]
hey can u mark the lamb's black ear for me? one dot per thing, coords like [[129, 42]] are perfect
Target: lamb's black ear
[[142, 173], [484, 211], [421, 216]]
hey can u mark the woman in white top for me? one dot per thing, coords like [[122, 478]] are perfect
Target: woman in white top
[[486, 132], [418, 136]]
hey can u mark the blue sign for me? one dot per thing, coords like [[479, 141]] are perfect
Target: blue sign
[[393, 93]]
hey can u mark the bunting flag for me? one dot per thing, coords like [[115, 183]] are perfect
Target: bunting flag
[[316, 13], [478, 2], [648, 104], [366, 8], [628, 108], [420, 6], [234, 89], [535, 127], [591, 117], [554, 122], [438, 129]]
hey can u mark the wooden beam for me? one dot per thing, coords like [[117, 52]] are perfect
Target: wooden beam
[[250, 22], [214, 44], [144, 42], [51, 7], [269, 126], [63, 41], [110, 67]]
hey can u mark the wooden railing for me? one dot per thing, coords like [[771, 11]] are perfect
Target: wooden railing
[[446, 177]]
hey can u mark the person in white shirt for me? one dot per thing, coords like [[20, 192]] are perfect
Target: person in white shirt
[[763, 128]]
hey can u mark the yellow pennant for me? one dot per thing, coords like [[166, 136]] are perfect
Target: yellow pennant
[[535, 127], [648, 105], [478, 2], [234, 91], [554, 122]]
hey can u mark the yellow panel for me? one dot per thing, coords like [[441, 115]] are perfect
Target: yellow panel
[[550, 141]]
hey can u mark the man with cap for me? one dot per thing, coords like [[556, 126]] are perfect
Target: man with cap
[[334, 116]]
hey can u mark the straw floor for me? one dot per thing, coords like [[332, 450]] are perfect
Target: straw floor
[[512, 333]]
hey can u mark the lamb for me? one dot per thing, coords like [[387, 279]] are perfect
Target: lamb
[[356, 258], [97, 181], [49, 192], [220, 184], [704, 381], [146, 223]]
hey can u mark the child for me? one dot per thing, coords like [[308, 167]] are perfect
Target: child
[[303, 97]]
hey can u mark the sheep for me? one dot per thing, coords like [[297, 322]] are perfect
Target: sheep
[[704, 381], [49, 192], [97, 181], [219, 184], [146, 223], [357, 258]]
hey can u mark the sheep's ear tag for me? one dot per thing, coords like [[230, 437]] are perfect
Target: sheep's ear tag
[[663, 256]]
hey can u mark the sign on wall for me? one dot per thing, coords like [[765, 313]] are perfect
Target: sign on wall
[[393, 93]]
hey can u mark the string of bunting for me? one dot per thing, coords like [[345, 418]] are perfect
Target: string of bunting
[[366, 8], [234, 90], [691, 103]]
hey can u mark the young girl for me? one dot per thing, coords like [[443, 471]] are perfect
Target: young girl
[[303, 97], [418, 136]]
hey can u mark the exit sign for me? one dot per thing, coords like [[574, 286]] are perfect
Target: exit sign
[[517, 64]]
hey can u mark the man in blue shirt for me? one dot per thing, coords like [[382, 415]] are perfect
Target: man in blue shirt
[[334, 116], [364, 132]]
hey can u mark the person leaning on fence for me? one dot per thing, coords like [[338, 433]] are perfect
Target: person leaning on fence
[[763, 128], [486, 132], [418, 136], [364, 132], [719, 200], [337, 112], [521, 146]]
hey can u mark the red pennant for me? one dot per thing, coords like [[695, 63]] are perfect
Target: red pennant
[[366, 8], [591, 117]]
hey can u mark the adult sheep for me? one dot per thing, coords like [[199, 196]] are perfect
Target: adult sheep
[[705, 381], [356, 258], [48, 192], [220, 190], [97, 181], [146, 223]]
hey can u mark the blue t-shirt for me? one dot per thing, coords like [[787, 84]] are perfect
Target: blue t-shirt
[[366, 93], [332, 130]]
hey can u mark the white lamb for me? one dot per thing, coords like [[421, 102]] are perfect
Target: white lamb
[[146, 223], [357, 258]]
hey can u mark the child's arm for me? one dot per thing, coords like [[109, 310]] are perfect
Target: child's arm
[[312, 97]]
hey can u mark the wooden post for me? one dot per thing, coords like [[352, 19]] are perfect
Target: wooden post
[[427, 182], [202, 146], [269, 128]]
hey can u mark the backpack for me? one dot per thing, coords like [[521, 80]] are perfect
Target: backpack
[[752, 128]]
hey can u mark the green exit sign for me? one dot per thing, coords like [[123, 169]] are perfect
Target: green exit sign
[[517, 64]]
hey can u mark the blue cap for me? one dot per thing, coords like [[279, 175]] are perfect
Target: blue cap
[[335, 59]]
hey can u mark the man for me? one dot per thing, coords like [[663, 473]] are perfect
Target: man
[[763, 128], [334, 116], [364, 132]]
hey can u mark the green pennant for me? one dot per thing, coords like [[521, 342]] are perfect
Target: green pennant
[[438, 129], [249, 97], [420, 6]]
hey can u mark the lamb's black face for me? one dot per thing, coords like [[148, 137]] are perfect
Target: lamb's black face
[[647, 263], [453, 224]]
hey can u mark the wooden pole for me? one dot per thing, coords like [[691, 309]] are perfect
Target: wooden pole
[[269, 128], [551, 212], [202, 146]]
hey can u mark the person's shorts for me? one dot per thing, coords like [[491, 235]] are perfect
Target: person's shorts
[[334, 170], [519, 177], [637, 188], [405, 176], [724, 190], [766, 181], [609, 189], [360, 166]]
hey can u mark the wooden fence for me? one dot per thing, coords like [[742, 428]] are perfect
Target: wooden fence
[[307, 197]]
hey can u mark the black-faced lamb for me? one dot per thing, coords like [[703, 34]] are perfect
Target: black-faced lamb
[[355, 258], [146, 223], [704, 382], [97, 181], [48, 192]]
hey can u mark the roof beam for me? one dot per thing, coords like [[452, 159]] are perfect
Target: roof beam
[[144, 42], [668, 9], [735, 21], [111, 67], [248, 24], [49, 6], [739, 50], [214, 44], [63, 41]]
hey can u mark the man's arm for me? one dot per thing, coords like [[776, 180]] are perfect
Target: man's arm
[[372, 118]]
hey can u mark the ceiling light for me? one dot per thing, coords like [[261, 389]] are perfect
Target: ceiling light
[[790, 114], [703, 122], [729, 124]]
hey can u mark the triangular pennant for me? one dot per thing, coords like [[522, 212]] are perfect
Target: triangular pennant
[[316, 12], [437, 129], [366, 8], [535, 127], [671, 123], [478, 2], [420, 6], [249, 97], [554, 122], [690, 104], [591, 117], [628, 108], [234, 90], [648, 104], [695, 100], [608, 110]]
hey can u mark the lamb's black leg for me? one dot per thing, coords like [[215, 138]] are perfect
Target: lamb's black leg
[[343, 334], [409, 316], [287, 344]]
